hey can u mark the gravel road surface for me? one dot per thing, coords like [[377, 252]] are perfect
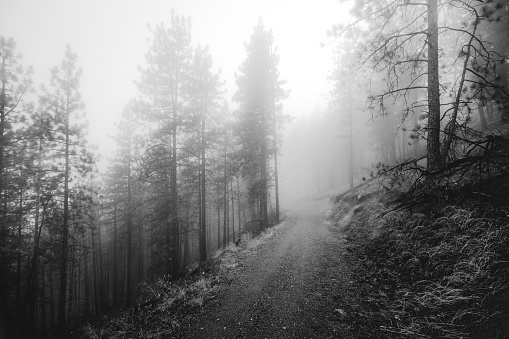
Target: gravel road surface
[[292, 286]]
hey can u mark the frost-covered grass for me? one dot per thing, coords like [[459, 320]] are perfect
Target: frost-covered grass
[[162, 315], [164, 307], [438, 269]]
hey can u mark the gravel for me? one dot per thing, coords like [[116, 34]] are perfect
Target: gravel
[[292, 286]]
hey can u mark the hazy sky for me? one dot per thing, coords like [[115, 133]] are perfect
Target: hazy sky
[[110, 38]]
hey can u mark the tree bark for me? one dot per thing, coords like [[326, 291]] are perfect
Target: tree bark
[[226, 232], [276, 150], [65, 226], [263, 174], [218, 224], [18, 264], [174, 262], [129, 216], [203, 206], [433, 129], [482, 117], [141, 246], [115, 257], [238, 202], [86, 304], [451, 131], [4, 310], [94, 276], [350, 137], [233, 209]]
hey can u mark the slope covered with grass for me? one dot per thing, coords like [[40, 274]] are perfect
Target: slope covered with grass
[[435, 266], [164, 309]]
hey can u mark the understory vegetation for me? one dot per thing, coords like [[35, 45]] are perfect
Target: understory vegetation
[[433, 259], [165, 308]]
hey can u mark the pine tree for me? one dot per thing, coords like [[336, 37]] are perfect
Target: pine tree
[[125, 141], [163, 82], [204, 92], [63, 101], [15, 84], [258, 93]]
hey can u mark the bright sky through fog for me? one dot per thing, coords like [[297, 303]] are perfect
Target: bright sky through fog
[[110, 38]]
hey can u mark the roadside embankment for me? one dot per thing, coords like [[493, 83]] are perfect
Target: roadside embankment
[[432, 267]]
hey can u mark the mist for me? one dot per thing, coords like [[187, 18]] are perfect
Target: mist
[[139, 141]]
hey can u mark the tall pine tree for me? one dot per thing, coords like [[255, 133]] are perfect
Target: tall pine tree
[[71, 159], [259, 91], [163, 82]]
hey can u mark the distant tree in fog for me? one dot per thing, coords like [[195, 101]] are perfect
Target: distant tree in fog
[[204, 89], [15, 84], [349, 88], [259, 91], [163, 81], [62, 100]]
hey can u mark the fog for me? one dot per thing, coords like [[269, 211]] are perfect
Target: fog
[[154, 134], [110, 39]]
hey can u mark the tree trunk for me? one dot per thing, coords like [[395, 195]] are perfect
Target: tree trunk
[[203, 207], [30, 297], [238, 202], [18, 264], [70, 291], [489, 109], [141, 269], [51, 292], [129, 217], [115, 258], [451, 127], [225, 187], [94, 276], [209, 233], [86, 305], [225, 212], [65, 226], [4, 310], [482, 117], [218, 225], [102, 292], [233, 209], [350, 140], [42, 328], [174, 262], [276, 150], [433, 146], [263, 175]]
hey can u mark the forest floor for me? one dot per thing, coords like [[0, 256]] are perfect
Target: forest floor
[[292, 286]]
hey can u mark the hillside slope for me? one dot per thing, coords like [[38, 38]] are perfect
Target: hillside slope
[[432, 262]]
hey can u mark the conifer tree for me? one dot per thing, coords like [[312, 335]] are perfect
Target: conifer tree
[[163, 82], [62, 100], [204, 91], [15, 83], [259, 91]]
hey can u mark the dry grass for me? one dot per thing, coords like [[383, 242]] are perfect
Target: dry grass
[[430, 271]]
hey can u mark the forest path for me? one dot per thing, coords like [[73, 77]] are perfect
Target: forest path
[[289, 287]]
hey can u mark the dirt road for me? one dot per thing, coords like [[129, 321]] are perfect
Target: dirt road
[[291, 287]]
